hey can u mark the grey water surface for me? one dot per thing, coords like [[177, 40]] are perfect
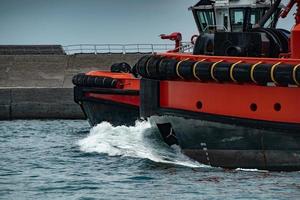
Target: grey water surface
[[64, 159]]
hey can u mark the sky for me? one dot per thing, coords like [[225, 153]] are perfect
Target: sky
[[69, 22]]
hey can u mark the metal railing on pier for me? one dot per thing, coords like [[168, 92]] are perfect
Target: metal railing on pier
[[122, 48]]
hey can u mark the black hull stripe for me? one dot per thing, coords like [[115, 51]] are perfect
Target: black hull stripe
[[107, 102], [251, 123], [109, 91]]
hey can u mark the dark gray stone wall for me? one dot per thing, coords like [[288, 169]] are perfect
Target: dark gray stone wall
[[38, 103], [40, 86], [54, 70]]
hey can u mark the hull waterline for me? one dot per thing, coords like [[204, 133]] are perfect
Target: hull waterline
[[231, 146], [100, 105], [117, 114]]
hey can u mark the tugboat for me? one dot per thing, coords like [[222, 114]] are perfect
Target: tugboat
[[234, 102], [108, 96]]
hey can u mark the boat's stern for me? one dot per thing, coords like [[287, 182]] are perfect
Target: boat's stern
[[108, 96]]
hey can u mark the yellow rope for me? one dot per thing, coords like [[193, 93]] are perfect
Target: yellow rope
[[177, 68], [272, 72], [147, 70], [194, 69], [231, 71], [294, 74], [252, 71], [212, 70]]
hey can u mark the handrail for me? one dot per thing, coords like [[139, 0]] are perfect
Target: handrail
[[119, 48]]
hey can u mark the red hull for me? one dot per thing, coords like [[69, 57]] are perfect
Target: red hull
[[278, 104]]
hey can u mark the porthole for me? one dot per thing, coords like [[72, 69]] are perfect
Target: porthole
[[199, 105], [253, 107], [277, 107]]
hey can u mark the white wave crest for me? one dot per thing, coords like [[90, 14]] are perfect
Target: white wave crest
[[133, 141]]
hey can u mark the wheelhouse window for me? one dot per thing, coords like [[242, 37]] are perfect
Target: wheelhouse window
[[206, 20], [237, 18], [256, 15], [244, 19]]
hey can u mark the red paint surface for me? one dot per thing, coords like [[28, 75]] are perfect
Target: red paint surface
[[233, 100], [126, 99]]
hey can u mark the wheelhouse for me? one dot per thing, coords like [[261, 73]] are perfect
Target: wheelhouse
[[232, 16]]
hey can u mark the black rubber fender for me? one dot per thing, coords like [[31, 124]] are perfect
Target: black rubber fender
[[120, 67], [282, 74], [184, 69], [84, 80], [221, 71], [152, 67], [141, 65], [75, 79], [201, 70], [167, 69], [240, 72], [261, 73]]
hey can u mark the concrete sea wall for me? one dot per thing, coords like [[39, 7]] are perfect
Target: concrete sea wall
[[40, 86], [38, 103]]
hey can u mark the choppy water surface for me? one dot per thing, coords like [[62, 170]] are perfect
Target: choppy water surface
[[64, 159]]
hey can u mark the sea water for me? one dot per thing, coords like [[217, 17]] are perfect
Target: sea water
[[66, 159]]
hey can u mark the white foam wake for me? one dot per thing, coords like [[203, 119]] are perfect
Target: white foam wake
[[139, 141]]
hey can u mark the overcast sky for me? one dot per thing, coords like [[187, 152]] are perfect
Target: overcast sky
[[95, 21]]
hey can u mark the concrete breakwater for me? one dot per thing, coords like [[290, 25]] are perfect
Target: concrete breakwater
[[40, 86], [38, 103]]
